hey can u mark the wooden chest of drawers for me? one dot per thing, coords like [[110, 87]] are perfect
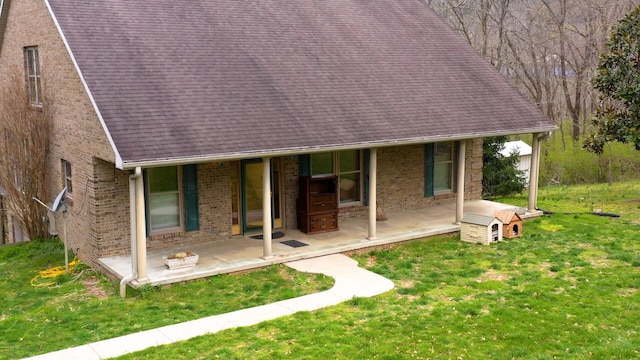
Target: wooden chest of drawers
[[318, 205]]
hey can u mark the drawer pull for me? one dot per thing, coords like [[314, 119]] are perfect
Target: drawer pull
[[323, 219], [323, 226]]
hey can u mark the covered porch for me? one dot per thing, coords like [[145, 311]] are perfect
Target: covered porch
[[243, 253]]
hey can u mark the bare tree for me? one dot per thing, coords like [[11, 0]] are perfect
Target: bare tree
[[548, 48], [24, 147]]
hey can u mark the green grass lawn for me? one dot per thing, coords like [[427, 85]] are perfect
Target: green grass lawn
[[568, 289], [85, 307]]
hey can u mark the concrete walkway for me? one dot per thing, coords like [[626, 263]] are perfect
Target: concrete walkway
[[350, 281]]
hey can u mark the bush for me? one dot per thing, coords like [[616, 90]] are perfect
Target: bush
[[567, 163]]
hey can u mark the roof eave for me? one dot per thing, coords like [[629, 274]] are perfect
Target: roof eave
[[149, 163], [4, 14]]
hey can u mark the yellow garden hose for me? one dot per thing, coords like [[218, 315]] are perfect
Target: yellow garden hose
[[52, 273]]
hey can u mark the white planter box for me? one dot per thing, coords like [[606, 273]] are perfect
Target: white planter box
[[177, 262]]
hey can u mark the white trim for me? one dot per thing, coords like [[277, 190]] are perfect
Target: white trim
[[118, 159], [205, 158], [1, 8], [5, 29]]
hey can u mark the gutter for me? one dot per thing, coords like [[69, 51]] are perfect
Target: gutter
[[130, 165], [134, 238]]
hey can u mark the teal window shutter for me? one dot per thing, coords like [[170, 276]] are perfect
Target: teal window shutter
[[429, 171], [304, 165], [146, 201], [192, 214], [367, 165]]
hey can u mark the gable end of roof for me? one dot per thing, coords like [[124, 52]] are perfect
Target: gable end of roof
[[118, 159]]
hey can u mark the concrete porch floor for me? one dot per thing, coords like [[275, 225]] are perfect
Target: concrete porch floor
[[243, 253]]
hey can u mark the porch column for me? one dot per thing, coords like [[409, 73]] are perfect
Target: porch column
[[141, 230], [533, 173], [373, 174], [133, 218], [462, 149], [266, 207]]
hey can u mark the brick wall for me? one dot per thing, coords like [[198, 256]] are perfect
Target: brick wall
[[112, 217], [290, 198], [400, 180], [77, 135]]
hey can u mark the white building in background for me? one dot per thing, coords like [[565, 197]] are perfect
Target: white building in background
[[523, 151]]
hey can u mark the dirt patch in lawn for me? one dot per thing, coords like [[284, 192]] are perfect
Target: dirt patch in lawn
[[494, 275], [92, 284]]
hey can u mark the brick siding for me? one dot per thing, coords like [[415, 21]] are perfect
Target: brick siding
[[77, 135]]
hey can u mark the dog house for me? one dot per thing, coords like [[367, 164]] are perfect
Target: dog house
[[480, 229], [511, 223]]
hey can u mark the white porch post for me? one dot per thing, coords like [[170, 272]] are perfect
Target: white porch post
[[533, 173], [373, 174], [133, 218], [141, 230], [462, 149], [266, 207]]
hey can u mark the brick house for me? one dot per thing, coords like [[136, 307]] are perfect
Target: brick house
[[174, 118]]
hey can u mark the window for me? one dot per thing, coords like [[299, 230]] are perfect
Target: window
[[347, 165], [13, 145], [349, 175], [443, 166], [322, 164], [17, 174], [32, 63], [163, 186], [66, 176], [439, 168]]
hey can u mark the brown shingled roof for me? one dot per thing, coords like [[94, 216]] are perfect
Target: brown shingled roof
[[177, 79], [506, 216]]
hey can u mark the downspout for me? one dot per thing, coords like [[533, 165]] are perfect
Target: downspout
[[133, 231]]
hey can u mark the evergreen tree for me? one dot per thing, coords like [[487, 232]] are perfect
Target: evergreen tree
[[500, 177], [617, 117]]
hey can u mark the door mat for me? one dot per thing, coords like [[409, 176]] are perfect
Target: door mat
[[275, 235], [293, 243]]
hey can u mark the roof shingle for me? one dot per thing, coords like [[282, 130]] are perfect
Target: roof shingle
[[212, 79]]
